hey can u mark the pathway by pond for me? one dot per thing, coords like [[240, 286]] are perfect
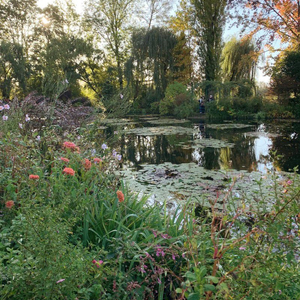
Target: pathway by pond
[[177, 159]]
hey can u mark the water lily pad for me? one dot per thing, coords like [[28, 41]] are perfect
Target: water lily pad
[[261, 134], [167, 121], [164, 130], [228, 126], [181, 182], [117, 121]]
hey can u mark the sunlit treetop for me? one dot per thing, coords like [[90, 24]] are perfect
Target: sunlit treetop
[[272, 19]]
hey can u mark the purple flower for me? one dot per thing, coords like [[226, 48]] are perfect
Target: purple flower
[[114, 153], [119, 157], [60, 280], [38, 138], [154, 233], [104, 146], [160, 251], [173, 256]]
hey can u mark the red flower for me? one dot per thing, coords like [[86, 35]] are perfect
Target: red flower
[[64, 159], [34, 176], [120, 196], [97, 160], [9, 204], [69, 171], [87, 164]]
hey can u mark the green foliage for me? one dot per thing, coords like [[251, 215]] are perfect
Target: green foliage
[[285, 81], [178, 101], [13, 68]]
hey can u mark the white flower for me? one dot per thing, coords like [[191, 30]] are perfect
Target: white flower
[[21, 125], [38, 138], [27, 119], [121, 96], [5, 118], [6, 106]]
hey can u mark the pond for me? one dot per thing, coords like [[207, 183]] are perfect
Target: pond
[[177, 159]]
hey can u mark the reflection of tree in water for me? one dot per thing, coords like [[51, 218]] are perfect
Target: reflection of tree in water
[[288, 149], [154, 150], [241, 157], [243, 154]]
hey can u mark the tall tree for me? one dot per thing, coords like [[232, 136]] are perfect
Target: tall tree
[[151, 64], [154, 12], [209, 21], [273, 19], [109, 19]]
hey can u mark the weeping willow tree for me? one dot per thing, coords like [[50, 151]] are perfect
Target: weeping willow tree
[[239, 60], [150, 67]]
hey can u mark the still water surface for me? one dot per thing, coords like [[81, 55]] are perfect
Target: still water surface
[[241, 146], [180, 159]]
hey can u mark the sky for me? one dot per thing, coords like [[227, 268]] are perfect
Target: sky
[[228, 33]]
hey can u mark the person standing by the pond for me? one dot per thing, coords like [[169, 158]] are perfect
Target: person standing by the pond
[[211, 98], [201, 104]]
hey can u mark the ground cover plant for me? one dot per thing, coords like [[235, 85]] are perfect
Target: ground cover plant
[[70, 229]]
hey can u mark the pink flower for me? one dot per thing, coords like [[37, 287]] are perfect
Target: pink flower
[[5, 118], [9, 204], [97, 160], [64, 159], [27, 119], [69, 171], [97, 263], [35, 177], [1, 108], [120, 196], [6, 106], [242, 248], [87, 164], [60, 280]]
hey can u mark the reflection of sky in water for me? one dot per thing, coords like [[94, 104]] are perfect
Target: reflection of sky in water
[[262, 146]]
